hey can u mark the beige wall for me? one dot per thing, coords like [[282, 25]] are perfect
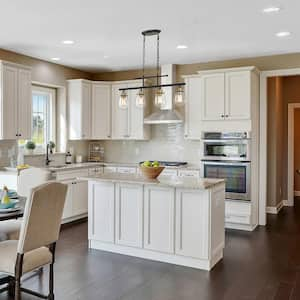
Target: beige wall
[[297, 148]]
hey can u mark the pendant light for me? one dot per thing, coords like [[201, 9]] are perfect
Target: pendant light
[[159, 99], [140, 98], [123, 101], [179, 96]]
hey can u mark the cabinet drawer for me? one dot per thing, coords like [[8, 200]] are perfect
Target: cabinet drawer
[[238, 212], [189, 173], [108, 170], [169, 172], [126, 170], [71, 174], [95, 171]]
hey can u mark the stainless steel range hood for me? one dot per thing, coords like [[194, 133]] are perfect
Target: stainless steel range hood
[[166, 114]]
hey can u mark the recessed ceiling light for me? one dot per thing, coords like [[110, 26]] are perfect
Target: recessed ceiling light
[[283, 34], [181, 46], [55, 58], [271, 9], [68, 42], [105, 56]]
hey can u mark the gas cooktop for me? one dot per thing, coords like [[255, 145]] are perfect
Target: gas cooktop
[[170, 163]]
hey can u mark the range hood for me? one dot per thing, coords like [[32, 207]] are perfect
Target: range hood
[[166, 114]]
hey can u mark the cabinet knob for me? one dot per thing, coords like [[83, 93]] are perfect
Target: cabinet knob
[[109, 136], [226, 116], [222, 116], [185, 135]]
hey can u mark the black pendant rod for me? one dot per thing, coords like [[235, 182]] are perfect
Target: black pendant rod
[[152, 86], [150, 76]]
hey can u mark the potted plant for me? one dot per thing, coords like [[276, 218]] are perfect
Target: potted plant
[[30, 146], [51, 146]]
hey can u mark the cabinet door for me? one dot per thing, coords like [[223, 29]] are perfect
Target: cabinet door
[[193, 108], [10, 102], [80, 198], [213, 97], [192, 223], [238, 95], [159, 219], [136, 116], [24, 104], [120, 116], [129, 215], [68, 210], [101, 111], [101, 211], [86, 110]]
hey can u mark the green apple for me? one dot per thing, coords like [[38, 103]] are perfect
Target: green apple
[[147, 163], [155, 164]]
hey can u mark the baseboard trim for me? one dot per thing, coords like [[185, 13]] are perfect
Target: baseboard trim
[[275, 209], [297, 193]]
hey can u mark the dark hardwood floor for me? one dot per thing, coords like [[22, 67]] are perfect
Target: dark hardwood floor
[[263, 265]]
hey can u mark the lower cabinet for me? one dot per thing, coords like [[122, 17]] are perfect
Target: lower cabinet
[[76, 200], [159, 219], [192, 232], [101, 212], [129, 215]]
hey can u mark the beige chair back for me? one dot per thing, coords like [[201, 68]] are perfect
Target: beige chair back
[[42, 216]]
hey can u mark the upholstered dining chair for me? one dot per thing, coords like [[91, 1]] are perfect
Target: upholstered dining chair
[[27, 179], [39, 233]]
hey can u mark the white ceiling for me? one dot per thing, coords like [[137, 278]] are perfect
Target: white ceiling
[[212, 30]]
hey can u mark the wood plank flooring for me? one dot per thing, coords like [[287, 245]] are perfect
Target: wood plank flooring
[[263, 265]]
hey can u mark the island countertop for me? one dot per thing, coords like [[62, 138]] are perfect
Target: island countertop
[[163, 180]]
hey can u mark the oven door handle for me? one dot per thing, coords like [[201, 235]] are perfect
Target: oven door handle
[[222, 163]]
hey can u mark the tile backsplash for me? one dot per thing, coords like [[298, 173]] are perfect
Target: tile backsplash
[[167, 143]]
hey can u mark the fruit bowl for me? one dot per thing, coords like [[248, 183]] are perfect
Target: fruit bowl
[[151, 172]]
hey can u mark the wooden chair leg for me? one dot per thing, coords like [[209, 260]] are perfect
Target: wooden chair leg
[[11, 288], [18, 274]]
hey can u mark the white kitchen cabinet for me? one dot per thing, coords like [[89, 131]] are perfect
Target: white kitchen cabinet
[[101, 211], [96, 171], [109, 169], [189, 173], [237, 212], [79, 101], [15, 101], [129, 215], [68, 212], [128, 123], [192, 125], [238, 95], [159, 219], [126, 170], [192, 230], [79, 198], [101, 111], [168, 172]]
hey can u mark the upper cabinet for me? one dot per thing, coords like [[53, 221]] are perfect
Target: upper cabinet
[[101, 110], [94, 111], [80, 101], [15, 101], [225, 99], [128, 123]]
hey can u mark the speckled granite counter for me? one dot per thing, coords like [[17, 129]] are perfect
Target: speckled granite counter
[[167, 181]]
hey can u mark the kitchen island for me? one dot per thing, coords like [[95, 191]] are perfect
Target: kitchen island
[[169, 219]]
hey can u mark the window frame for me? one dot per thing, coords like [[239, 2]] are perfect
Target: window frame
[[50, 112]]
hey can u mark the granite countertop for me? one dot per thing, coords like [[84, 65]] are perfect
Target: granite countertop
[[165, 181]]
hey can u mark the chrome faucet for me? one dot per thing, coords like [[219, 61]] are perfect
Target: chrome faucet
[[48, 149]]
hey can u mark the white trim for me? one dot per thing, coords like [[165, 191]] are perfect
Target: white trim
[[263, 137], [275, 209], [285, 202], [296, 193], [204, 264], [291, 171]]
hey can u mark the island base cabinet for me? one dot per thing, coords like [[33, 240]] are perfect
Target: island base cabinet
[[192, 223], [101, 214], [129, 215], [159, 219]]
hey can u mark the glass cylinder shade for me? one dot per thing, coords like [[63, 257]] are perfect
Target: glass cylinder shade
[[159, 99], [123, 101], [179, 97], [140, 98]]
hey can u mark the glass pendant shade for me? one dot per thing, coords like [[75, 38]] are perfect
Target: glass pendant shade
[[123, 101], [159, 99], [140, 98], [179, 97]]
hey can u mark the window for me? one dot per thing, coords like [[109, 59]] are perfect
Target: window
[[43, 116]]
